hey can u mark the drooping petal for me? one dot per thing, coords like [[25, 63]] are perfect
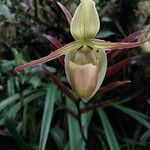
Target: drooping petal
[[66, 12], [131, 38], [61, 51], [65, 90], [101, 71], [101, 44], [85, 23]]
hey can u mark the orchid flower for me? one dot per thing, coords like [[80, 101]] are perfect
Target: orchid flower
[[85, 58]]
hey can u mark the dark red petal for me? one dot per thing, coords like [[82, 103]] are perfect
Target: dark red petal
[[61, 86]]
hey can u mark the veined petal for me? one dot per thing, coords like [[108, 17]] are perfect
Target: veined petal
[[59, 52], [85, 23], [101, 44], [101, 71]]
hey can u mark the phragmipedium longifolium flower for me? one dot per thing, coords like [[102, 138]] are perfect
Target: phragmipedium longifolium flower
[[85, 58]]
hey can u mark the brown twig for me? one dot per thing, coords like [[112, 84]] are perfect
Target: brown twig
[[97, 105], [67, 109], [116, 67], [112, 86], [61, 86]]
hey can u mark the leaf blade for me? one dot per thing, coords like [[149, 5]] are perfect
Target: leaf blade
[[75, 138], [10, 124], [134, 114], [111, 139], [47, 115]]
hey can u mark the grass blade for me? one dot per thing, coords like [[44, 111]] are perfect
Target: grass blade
[[4, 103], [10, 124], [145, 136], [75, 137], [47, 115], [111, 139], [85, 119], [143, 119], [58, 136], [15, 108]]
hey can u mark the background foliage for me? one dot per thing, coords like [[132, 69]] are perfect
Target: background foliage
[[36, 110]]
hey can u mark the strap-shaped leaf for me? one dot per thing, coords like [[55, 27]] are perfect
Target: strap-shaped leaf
[[109, 133], [75, 138], [11, 126], [143, 119], [47, 115], [8, 101]]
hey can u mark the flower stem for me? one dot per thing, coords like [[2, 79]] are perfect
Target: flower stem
[[80, 124]]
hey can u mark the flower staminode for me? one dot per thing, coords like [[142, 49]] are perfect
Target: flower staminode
[[85, 58]]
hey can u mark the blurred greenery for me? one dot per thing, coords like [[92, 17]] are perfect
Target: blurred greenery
[[35, 114]]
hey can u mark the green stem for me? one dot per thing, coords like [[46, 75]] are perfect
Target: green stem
[[80, 123]]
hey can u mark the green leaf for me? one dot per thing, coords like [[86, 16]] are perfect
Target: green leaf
[[143, 119], [4, 11], [35, 81], [85, 119], [10, 87], [47, 115], [4, 103], [111, 138], [58, 137], [15, 108], [1, 121], [10, 124], [75, 138], [145, 136]]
